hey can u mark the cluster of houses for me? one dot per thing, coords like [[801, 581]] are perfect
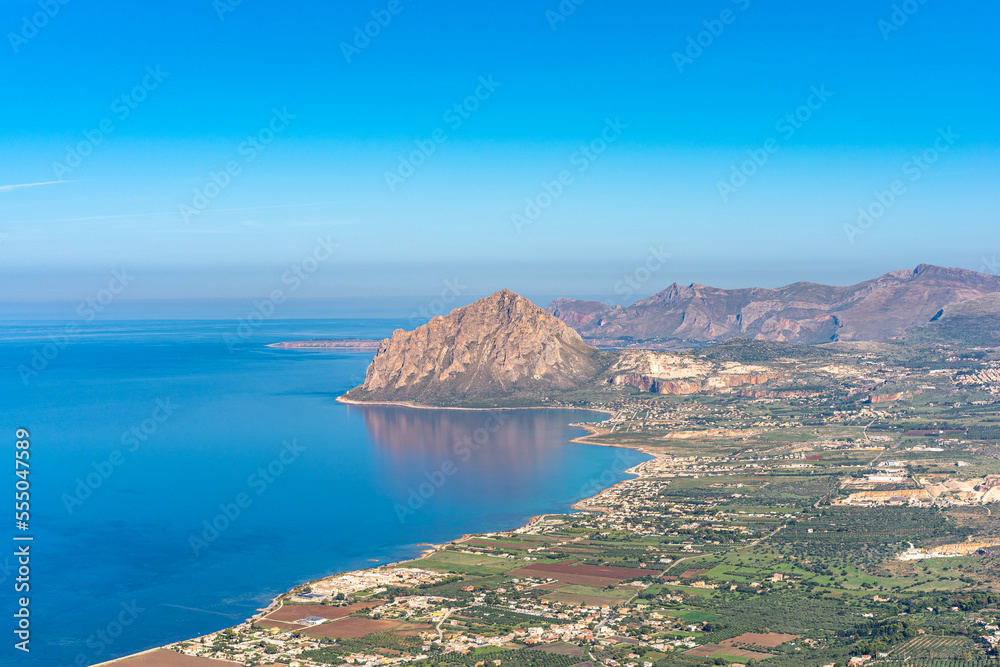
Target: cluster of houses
[[991, 636], [360, 580]]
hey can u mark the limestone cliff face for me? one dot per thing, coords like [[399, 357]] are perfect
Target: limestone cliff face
[[666, 373], [657, 385], [498, 348], [886, 398]]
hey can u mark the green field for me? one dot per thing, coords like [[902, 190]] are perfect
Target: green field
[[462, 563]]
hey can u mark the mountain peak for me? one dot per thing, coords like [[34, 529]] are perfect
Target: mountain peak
[[500, 346], [504, 295]]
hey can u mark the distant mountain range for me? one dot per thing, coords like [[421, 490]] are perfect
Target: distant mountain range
[[803, 313]]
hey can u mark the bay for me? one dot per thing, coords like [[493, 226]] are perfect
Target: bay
[[180, 481]]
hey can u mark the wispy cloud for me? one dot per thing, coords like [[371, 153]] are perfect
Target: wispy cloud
[[18, 186], [175, 213]]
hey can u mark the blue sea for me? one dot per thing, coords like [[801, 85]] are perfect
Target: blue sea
[[179, 482]]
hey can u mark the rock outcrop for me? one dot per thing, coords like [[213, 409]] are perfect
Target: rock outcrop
[[886, 398], [657, 385], [666, 373], [499, 348]]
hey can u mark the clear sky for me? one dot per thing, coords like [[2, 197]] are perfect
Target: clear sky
[[205, 146]]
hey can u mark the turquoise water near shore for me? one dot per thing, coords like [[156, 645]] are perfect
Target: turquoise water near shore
[[178, 485]]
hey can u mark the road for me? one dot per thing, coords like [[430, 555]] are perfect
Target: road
[[678, 562], [440, 623]]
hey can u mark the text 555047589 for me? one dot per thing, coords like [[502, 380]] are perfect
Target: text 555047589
[[22, 551], [22, 468]]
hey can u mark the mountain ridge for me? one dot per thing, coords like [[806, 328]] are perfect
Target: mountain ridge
[[802, 312]]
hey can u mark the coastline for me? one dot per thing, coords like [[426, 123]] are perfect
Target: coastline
[[578, 506], [593, 430], [419, 406], [430, 549], [365, 344]]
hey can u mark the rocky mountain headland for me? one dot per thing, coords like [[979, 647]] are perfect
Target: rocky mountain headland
[[501, 347]]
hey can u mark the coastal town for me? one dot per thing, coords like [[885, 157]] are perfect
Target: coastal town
[[848, 523]]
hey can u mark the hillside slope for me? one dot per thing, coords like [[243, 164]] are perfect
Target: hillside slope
[[972, 323]]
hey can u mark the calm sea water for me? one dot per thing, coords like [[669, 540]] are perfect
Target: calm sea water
[[177, 485]]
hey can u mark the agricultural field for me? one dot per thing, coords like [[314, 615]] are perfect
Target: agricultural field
[[930, 647], [350, 628], [733, 544], [467, 563]]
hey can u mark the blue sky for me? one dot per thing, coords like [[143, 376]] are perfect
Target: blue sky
[[870, 87]]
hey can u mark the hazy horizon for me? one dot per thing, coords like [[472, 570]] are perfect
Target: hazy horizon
[[543, 147], [325, 294]]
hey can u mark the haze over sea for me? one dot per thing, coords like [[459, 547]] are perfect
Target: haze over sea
[[113, 514]]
